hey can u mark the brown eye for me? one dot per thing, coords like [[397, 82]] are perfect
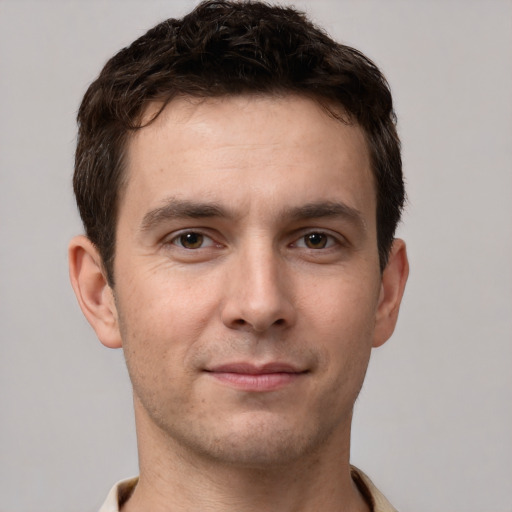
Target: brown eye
[[190, 240], [316, 240]]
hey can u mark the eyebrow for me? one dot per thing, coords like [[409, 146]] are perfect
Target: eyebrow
[[326, 209], [181, 209]]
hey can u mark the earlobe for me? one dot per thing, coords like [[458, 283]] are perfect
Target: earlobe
[[394, 278], [92, 290]]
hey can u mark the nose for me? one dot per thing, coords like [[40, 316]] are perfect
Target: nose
[[258, 296]]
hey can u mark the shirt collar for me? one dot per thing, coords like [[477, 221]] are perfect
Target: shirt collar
[[123, 490]]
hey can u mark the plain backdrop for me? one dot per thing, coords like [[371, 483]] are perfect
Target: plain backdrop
[[433, 424]]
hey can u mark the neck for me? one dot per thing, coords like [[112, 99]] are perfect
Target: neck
[[173, 478]]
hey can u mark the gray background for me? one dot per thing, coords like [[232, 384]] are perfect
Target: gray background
[[433, 425]]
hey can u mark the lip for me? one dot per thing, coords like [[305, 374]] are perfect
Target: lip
[[256, 378]]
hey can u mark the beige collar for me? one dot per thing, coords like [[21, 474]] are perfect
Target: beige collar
[[378, 503]]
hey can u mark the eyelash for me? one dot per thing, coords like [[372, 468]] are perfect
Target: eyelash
[[330, 240], [178, 238]]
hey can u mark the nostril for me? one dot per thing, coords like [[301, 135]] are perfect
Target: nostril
[[280, 321]]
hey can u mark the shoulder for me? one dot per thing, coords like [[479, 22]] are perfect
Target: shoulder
[[118, 495], [378, 501]]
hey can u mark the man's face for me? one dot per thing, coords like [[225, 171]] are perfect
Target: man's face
[[247, 276]]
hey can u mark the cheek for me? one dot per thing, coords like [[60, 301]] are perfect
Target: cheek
[[167, 298], [161, 318], [341, 322], [341, 306]]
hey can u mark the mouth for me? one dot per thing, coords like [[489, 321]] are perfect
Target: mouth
[[256, 378]]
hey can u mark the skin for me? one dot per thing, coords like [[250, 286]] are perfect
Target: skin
[[248, 298]]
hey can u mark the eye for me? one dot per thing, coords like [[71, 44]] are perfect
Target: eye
[[192, 240], [316, 240]]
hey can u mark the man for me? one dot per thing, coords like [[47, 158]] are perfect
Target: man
[[238, 174]]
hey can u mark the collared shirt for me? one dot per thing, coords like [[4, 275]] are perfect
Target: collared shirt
[[378, 503]]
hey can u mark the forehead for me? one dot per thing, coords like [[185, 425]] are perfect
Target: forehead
[[247, 148]]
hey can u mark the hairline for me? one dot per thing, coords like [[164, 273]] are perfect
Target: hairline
[[332, 108]]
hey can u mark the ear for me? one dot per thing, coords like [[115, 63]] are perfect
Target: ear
[[95, 296], [392, 288]]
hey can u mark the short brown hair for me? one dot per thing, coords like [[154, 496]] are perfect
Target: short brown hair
[[229, 48]]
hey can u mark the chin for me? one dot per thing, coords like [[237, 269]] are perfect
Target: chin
[[257, 443]]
